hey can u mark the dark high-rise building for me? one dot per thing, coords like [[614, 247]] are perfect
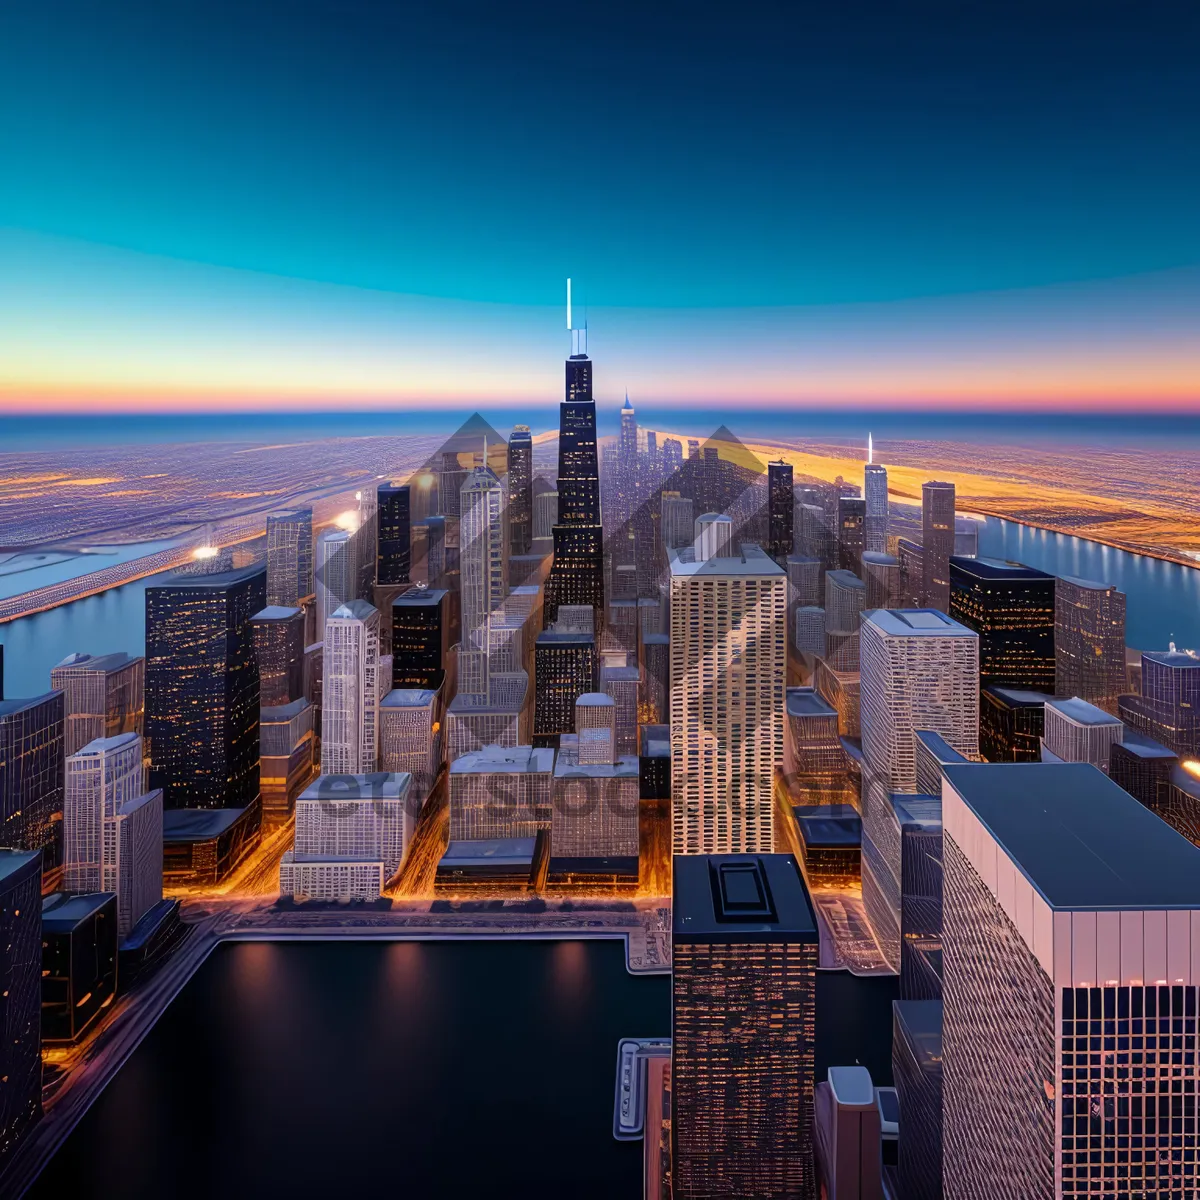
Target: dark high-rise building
[[450, 480], [1168, 710], [917, 1070], [289, 557], [21, 983], [420, 638], [937, 543], [1089, 641], [1143, 768], [278, 635], [79, 962], [1011, 723], [577, 574], [875, 493], [654, 762], [565, 666], [202, 694], [31, 775], [520, 490], [743, 1028], [781, 503], [851, 532], [394, 556], [1, 672], [1011, 607]]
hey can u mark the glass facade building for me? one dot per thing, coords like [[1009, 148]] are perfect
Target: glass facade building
[[31, 776], [394, 552]]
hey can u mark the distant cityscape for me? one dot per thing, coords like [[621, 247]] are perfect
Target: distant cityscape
[[772, 730]]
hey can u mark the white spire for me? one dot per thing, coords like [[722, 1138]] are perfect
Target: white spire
[[870, 450], [568, 302]]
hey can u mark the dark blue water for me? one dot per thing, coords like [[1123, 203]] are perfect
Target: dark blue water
[[406, 1069]]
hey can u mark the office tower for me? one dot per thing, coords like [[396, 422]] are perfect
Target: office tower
[[713, 537], [100, 778], [202, 688], [133, 857], [917, 1071], [1011, 723], [810, 630], [881, 575], [804, 581], [911, 558], [289, 557], [545, 515], [450, 480], [1089, 640], [577, 574], [728, 671], [278, 636], [1011, 607], [79, 962], [672, 456], [678, 524], [596, 710], [845, 598], [483, 585], [394, 552], [1069, 911], [352, 832], [420, 638], [287, 746], [336, 577], [350, 689], [875, 496], [622, 624], [627, 464], [31, 775], [1143, 768], [656, 676], [473, 722], [565, 666], [847, 1135], [1168, 710], [520, 490], [966, 537], [780, 502], [365, 540], [102, 696], [21, 983], [920, 670], [1078, 732], [500, 792], [654, 762], [815, 764], [937, 544], [623, 685], [410, 736], [435, 550], [816, 535], [742, 1028], [851, 532], [842, 689]]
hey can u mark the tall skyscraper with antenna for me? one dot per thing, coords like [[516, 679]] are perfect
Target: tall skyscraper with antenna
[[577, 573], [875, 492]]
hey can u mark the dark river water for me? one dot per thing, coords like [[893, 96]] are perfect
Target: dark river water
[[447, 1069]]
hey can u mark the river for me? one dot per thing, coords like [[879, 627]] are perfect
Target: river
[[450, 1069], [1163, 604]]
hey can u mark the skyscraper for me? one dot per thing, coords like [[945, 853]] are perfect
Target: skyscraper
[[289, 557], [881, 574], [394, 555], [350, 690], [875, 494], [1011, 607], [366, 543], [202, 695], [1089, 640], [287, 741], [483, 585], [21, 984], [937, 543], [410, 735], [113, 830], [1011, 723], [1168, 710], [728, 672], [742, 1029], [520, 490], [577, 574], [565, 667], [336, 577], [420, 638], [1070, 992], [851, 532], [845, 598], [678, 524], [780, 504], [101, 696], [627, 464], [1078, 732], [278, 635]]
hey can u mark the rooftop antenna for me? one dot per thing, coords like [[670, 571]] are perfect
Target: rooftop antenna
[[870, 450]]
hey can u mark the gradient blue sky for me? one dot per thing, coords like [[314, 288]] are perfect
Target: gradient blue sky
[[851, 193]]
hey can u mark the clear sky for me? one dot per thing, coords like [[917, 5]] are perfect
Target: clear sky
[[940, 202]]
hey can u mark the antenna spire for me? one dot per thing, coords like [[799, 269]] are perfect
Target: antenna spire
[[568, 302], [870, 450]]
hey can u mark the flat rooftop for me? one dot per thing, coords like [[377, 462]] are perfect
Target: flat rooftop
[[845, 579], [565, 637], [741, 898], [1019, 697], [13, 862], [915, 810], [61, 912], [1172, 658], [493, 851], [198, 824], [878, 559], [828, 824], [915, 622], [1091, 584], [996, 568], [1080, 840], [1082, 712], [104, 745], [939, 747], [505, 760], [282, 713], [1145, 747], [752, 560], [377, 785], [595, 700], [14, 706], [408, 698], [655, 741], [625, 767], [102, 662], [275, 612], [807, 702], [419, 598], [219, 579]]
